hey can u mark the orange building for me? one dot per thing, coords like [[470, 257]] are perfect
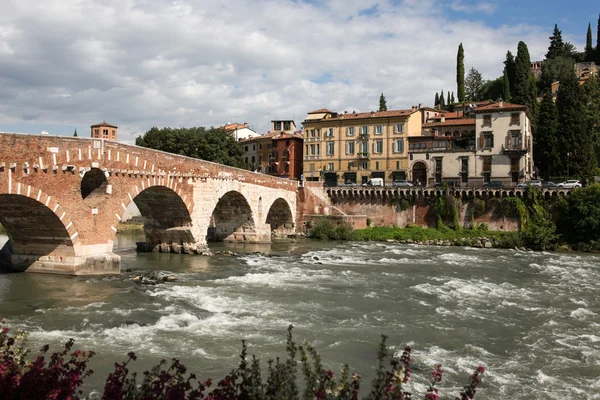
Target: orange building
[[287, 155], [104, 130]]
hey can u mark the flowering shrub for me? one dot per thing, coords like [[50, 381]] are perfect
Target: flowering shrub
[[60, 377]]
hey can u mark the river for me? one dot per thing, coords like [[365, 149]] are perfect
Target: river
[[532, 318]]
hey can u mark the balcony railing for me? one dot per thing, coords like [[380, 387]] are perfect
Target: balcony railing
[[312, 139], [363, 135], [312, 157], [363, 155]]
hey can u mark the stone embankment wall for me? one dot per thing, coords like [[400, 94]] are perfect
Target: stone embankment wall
[[401, 211]]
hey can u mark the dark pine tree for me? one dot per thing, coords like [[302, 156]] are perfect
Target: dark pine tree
[[442, 101], [575, 130], [546, 146], [452, 98], [437, 99], [589, 47], [557, 46], [510, 68], [505, 86], [525, 90], [460, 73], [598, 42], [75, 133], [382, 103]]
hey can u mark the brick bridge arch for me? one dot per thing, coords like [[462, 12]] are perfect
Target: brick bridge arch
[[177, 196], [37, 227]]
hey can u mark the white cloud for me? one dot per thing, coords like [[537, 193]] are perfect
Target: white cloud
[[481, 6], [139, 64]]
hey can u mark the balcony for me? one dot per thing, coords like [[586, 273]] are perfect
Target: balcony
[[312, 139], [363, 135], [312, 157], [514, 149], [363, 155]]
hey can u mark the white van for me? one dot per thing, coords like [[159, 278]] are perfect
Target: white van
[[374, 182]]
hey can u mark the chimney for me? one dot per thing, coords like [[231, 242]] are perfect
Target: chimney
[[245, 124], [419, 105], [443, 118], [500, 103]]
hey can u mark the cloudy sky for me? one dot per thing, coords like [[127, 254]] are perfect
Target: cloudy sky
[[67, 64]]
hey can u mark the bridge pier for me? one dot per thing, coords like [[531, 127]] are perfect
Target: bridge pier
[[60, 261]]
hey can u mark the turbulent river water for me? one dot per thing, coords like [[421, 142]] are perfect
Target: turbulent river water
[[531, 318]]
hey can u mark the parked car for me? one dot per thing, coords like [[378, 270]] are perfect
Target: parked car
[[493, 184], [374, 182], [571, 184], [402, 184], [533, 183], [549, 185]]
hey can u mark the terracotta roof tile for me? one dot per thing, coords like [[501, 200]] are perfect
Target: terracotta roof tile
[[451, 122], [104, 123], [374, 114], [321, 111], [496, 107]]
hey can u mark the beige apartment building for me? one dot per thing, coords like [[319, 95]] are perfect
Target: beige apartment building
[[351, 148], [494, 144]]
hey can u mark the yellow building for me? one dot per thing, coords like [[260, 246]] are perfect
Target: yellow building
[[351, 148]]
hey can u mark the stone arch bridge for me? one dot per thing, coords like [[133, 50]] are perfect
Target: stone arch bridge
[[62, 198]]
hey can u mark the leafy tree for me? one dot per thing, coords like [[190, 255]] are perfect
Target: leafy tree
[[505, 86], [382, 103], [212, 144], [510, 67], [575, 130], [460, 73], [75, 133], [580, 215], [591, 99], [553, 69], [589, 47], [437, 99], [557, 46], [545, 148], [492, 90], [473, 85], [525, 90]]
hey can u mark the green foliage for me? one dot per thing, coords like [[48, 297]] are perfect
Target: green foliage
[[404, 204], [510, 70], [505, 86], [437, 99], [446, 207], [589, 47], [442, 101], [369, 222], [546, 155], [493, 90], [557, 46], [327, 230], [538, 230], [579, 215], [212, 144], [460, 73], [554, 69], [524, 90], [478, 207], [382, 103], [75, 133], [576, 132], [598, 42], [473, 85]]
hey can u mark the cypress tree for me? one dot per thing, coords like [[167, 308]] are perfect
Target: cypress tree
[[460, 73], [505, 86], [509, 67], [442, 101], [437, 99], [545, 149], [589, 48], [557, 46], [575, 130], [452, 98], [382, 103], [75, 133], [525, 90], [598, 42]]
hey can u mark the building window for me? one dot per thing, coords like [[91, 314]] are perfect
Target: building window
[[438, 170], [378, 147], [287, 125], [350, 131], [487, 164], [253, 147], [399, 128], [287, 143], [105, 132], [379, 130], [269, 146], [364, 165], [277, 125], [253, 160], [486, 140], [350, 147], [363, 147], [487, 176], [515, 140], [399, 146], [330, 166], [246, 160], [364, 130], [464, 164], [245, 148], [350, 165], [330, 148], [97, 132], [329, 132], [311, 167], [487, 120], [514, 119], [377, 165]]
